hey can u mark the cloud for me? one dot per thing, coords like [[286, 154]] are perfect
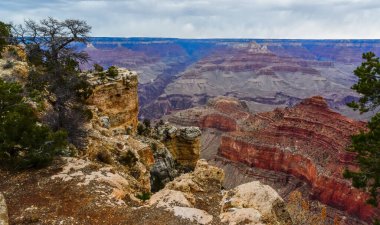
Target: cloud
[[209, 18]]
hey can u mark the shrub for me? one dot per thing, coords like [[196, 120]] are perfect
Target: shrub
[[98, 68], [8, 65], [140, 129], [144, 196], [128, 158], [154, 146], [104, 156], [24, 142], [112, 72]]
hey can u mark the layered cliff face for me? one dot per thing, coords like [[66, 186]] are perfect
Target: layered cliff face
[[308, 141], [116, 100], [184, 144]]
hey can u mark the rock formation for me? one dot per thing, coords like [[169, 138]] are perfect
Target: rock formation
[[308, 141], [183, 143], [3, 211], [197, 196], [254, 203], [13, 64], [116, 100]]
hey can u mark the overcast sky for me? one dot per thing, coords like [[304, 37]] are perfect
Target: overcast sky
[[314, 19]]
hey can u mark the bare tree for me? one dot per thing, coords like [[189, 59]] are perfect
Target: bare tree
[[52, 46]]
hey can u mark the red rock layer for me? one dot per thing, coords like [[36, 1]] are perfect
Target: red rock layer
[[308, 141]]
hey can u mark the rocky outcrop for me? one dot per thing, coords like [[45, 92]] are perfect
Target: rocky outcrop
[[183, 143], [254, 203], [13, 64], [3, 211], [164, 169], [116, 100], [198, 196], [185, 194]]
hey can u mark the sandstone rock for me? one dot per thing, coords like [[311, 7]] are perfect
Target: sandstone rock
[[189, 133], [247, 216], [164, 168], [259, 197], [193, 214], [3, 211], [116, 99], [105, 122], [200, 180], [204, 172], [169, 198], [183, 144], [180, 195]]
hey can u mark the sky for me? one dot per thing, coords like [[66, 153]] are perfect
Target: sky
[[299, 19]]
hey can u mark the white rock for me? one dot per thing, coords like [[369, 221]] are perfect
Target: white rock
[[255, 198], [169, 199], [252, 195], [193, 214], [247, 216]]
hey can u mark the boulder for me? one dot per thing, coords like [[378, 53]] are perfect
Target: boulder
[[257, 199]]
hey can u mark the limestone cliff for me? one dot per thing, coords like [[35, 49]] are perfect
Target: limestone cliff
[[183, 143], [116, 100]]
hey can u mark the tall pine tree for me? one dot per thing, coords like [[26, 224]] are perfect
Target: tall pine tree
[[367, 144]]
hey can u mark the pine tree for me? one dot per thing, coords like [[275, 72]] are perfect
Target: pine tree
[[367, 144], [24, 142]]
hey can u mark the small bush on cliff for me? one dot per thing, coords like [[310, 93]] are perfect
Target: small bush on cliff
[[24, 142], [144, 128], [128, 159], [367, 144], [112, 72], [98, 68], [144, 196]]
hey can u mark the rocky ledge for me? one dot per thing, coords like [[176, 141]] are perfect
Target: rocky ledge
[[198, 197]]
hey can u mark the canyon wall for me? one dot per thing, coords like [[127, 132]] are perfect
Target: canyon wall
[[178, 74], [308, 141]]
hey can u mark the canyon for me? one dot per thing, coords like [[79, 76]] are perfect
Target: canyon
[[263, 133], [178, 74], [112, 178], [307, 141]]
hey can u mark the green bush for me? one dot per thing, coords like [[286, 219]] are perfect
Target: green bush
[[24, 142], [144, 196], [128, 158], [98, 68], [112, 72]]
